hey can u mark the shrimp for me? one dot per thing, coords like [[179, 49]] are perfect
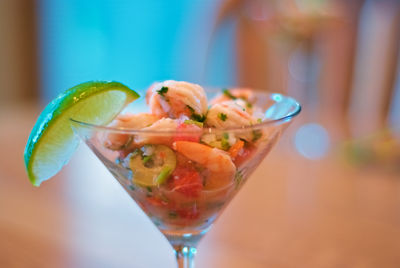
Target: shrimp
[[221, 169], [175, 98], [166, 124], [116, 141], [229, 114], [238, 93], [244, 97]]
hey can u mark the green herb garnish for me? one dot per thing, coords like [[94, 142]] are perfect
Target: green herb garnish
[[192, 122], [194, 116], [131, 187], [162, 91], [225, 141], [238, 178], [228, 94], [198, 117], [246, 143], [190, 108], [136, 152], [149, 189], [222, 116], [256, 135], [225, 145], [259, 120], [172, 215], [249, 105]]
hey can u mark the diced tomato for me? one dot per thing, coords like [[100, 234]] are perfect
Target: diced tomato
[[187, 181], [189, 213], [182, 136], [155, 201], [123, 153], [243, 154]]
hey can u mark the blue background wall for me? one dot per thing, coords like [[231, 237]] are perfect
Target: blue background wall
[[132, 41]]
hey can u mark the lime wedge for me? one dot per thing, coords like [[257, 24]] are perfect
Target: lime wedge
[[52, 141]]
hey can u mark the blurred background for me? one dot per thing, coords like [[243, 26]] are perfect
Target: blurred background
[[335, 177]]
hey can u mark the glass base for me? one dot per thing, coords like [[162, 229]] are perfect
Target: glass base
[[184, 238], [184, 244]]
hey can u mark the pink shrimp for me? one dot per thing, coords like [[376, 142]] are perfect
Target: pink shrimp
[[221, 169], [175, 98], [236, 93], [229, 114], [166, 124], [116, 141]]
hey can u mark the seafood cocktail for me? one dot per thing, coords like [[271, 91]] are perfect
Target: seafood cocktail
[[184, 158]]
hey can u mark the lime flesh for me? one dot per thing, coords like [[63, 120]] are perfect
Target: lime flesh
[[52, 141]]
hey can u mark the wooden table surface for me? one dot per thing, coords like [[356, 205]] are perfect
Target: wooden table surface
[[293, 212]]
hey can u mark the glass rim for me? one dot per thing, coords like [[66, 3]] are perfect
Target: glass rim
[[268, 122]]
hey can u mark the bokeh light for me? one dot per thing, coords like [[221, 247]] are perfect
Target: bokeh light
[[312, 141]]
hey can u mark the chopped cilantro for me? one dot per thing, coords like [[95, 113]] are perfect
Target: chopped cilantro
[[198, 117], [246, 143], [136, 152], [238, 178], [172, 215], [224, 141], [194, 116], [149, 189], [192, 122], [131, 187], [228, 94], [256, 135], [225, 145], [249, 105], [162, 91], [222, 116], [190, 108]]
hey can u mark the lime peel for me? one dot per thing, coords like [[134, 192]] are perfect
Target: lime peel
[[52, 141]]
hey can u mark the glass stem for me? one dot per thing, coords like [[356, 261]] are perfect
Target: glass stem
[[185, 256]]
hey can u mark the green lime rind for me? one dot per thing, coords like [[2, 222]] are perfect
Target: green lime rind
[[52, 141]]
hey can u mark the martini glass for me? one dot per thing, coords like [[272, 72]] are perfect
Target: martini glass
[[181, 217]]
